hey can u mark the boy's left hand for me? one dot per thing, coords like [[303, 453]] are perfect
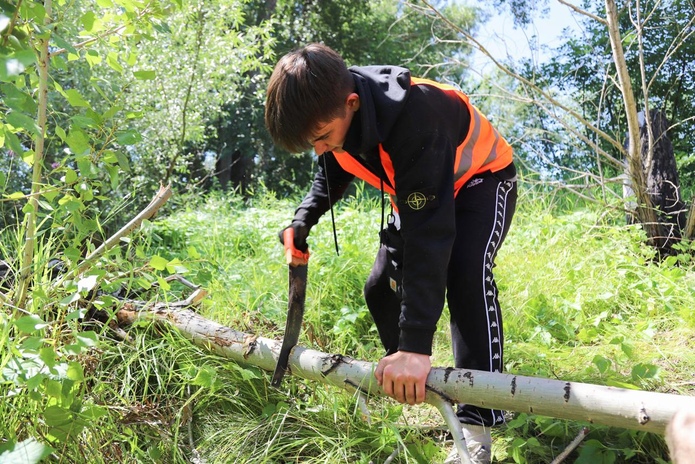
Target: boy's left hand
[[403, 374]]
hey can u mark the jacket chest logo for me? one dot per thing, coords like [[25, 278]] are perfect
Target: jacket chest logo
[[416, 201]]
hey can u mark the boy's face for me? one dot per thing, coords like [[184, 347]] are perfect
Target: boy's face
[[330, 136]]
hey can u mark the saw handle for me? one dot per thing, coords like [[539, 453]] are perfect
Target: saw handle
[[293, 256]]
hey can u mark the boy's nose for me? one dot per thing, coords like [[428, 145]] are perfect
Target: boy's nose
[[320, 148]]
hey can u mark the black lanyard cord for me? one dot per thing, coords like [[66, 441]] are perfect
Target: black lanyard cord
[[328, 192]]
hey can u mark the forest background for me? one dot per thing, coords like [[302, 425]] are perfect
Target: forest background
[[104, 101]]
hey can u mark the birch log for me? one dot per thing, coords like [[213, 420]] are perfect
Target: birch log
[[617, 407]]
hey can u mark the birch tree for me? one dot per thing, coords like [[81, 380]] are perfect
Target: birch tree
[[638, 53]]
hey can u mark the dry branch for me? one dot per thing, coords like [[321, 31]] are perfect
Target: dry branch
[[617, 407], [150, 210]]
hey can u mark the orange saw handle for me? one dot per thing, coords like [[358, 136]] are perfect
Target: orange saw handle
[[293, 256]]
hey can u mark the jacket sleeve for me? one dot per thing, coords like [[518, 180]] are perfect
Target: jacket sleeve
[[331, 182], [424, 170]]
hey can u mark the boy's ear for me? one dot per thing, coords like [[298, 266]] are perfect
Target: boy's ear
[[353, 101]]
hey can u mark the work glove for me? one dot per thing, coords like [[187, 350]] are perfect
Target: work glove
[[301, 232]]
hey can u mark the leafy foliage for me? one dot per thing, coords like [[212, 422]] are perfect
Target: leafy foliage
[[582, 69], [103, 100]]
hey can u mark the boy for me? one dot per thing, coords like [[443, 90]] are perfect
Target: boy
[[452, 186]]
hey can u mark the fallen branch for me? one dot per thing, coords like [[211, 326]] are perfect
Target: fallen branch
[[150, 210], [616, 407], [571, 447]]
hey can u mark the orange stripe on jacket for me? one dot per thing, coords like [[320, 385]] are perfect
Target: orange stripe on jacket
[[483, 149]]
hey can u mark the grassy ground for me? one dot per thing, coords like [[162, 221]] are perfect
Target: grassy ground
[[583, 300]]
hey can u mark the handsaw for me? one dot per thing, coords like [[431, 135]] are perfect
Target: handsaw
[[297, 261]]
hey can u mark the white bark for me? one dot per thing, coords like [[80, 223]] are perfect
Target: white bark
[[631, 409]]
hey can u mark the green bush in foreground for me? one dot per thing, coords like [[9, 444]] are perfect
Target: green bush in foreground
[[583, 300]]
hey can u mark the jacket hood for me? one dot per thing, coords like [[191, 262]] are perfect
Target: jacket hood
[[383, 92]]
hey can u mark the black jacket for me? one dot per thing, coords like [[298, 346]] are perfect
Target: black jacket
[[420, 127]]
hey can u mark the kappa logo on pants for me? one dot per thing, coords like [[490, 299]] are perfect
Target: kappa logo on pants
[[474, 182]]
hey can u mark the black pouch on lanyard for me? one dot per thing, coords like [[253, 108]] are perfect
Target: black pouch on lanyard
[[393, 242]]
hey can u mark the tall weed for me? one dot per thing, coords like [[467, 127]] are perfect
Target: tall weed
[[583, 299]]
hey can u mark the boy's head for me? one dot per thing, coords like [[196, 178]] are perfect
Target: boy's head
[[308, 87]]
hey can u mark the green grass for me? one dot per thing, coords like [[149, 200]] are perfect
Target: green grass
[[583, 300]]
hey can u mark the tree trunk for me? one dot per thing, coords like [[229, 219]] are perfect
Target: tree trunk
[[644, 211], [662, 183], [631, 409], [663, 186]]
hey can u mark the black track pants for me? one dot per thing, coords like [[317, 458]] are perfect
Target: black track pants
[[484, 209]]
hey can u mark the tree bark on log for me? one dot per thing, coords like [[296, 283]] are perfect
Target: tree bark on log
[[617, 407]]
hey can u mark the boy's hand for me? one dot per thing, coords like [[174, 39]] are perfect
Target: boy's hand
[[301, 232], [294, 239], [403, 374]]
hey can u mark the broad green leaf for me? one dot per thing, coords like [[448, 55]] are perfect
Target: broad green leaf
[[12, 141], [87, 338], [50, 195], [70, 299], [123, 161], [28, 157], [76, 314], [193, 252], [145, 75], [60, 133], [163, 284], [70, 176], [17, 100], [35, 382], [87, 20], [644, 371], [112, 61], [62, 43], [30, 324], [114, 175], [87, 168], [57, 416], [176, 266], [33, 11], [28, 208], [78, 142], [620, 384], [93, 57], [54, 388], [602, 363], [14, 196], [75, 371], [159, 263], [205, 377], [128, 137], [19, 120], [48, 356], [73, 254], [94, 412], [28, 451], [75, 98]]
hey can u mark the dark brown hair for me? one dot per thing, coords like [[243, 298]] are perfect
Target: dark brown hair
[[308, 87]]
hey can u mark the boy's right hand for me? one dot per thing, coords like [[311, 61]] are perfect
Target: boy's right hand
[[297, 252], [301, 232]]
